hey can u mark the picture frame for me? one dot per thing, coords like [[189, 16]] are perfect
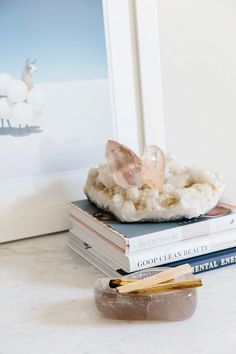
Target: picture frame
[[37, 206]]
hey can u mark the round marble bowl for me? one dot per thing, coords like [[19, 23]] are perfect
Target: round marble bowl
[[170, 306]]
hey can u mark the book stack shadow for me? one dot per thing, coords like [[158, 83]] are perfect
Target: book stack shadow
[[118, 248]]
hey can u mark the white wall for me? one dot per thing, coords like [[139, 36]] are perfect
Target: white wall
[[198, 58]]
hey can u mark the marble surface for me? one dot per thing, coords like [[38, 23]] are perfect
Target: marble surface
[[47, 307]]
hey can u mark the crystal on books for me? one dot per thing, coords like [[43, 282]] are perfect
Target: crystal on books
[[152, 188]]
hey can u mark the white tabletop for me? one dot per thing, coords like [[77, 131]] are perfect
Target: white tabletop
[[47, 307]]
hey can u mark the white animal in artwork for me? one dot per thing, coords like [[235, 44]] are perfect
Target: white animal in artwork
[[20, 101], [4, 106], [29, 69], [5, 112]]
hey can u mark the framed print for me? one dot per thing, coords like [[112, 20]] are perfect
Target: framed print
[[69, 80]]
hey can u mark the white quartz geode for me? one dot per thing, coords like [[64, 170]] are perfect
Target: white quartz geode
[[188, 192]]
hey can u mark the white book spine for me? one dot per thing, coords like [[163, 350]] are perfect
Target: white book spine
[[181, 250], [156, 239], [184, 232]]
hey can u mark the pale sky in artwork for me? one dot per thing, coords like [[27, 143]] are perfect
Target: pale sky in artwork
[[66, 37]]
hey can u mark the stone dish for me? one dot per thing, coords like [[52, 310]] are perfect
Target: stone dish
[[170, 306]]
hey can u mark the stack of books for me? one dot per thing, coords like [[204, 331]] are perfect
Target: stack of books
[[118, 248]]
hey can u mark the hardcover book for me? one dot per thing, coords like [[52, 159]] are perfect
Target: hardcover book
[[199, 264], [157, 255], [132, 237]]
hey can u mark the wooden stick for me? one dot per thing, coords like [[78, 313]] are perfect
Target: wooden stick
[[155, 279], [167, 287], [114, 283]]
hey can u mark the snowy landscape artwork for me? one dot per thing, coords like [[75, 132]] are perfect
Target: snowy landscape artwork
[[55, 110]]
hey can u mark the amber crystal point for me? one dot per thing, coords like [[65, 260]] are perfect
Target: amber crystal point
[[124, 164], [153, 167]]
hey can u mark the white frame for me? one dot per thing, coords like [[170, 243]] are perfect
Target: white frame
[[41, 205], [132, 32], [147, 27]]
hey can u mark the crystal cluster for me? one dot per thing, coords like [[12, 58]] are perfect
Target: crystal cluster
[[154, 188]]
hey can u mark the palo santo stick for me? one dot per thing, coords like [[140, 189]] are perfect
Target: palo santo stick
[[167, 287], [155, 279], [114, 283]]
